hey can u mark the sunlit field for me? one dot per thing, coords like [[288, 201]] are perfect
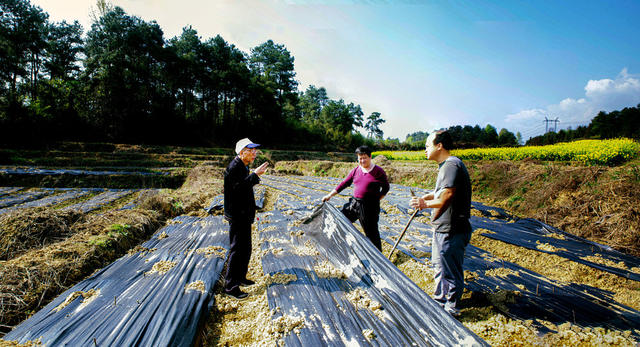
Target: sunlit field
[[591, 152]]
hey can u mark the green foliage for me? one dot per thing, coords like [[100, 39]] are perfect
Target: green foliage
[[340, 118], [373, 125], [274, 64], [101, 241], [177, 207], [513, 200], [119, 229], [506, 138], [116, 232], [624, 123], [464, 137], [123, 67], [311, 103], [127, 83], [490, 135], [64, 44]]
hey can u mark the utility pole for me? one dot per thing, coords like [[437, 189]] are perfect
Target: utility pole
[[546, 124]]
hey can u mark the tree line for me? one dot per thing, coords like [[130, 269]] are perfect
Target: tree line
[[624, 123], [605, 125], [466, 136], [124, 82]]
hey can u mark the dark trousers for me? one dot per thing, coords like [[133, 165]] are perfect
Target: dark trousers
[[239, 253], [447, 256], [367, 211]]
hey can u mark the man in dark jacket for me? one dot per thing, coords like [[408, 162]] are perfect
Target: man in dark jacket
[[240, 211]]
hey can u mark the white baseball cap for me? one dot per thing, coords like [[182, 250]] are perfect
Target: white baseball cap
[[245, 143]]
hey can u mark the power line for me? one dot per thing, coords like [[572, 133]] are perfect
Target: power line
[[547, 121], [534, 130]]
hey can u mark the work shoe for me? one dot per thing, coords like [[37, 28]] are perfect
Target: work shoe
[[247, 282], [236, 293]]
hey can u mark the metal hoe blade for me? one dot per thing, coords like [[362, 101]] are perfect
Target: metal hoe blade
[[313, 215]]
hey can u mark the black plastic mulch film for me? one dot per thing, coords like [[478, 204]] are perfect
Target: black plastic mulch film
[[538, 296], [535, 235], [136, 303], [8, 190], [43, 197], [345, 290], [59, 172], [48, 200], [526, 232], [342, 287], [22, 197], [100, 200]]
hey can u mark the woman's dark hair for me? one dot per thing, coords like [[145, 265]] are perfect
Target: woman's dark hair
[[444, 138], [363, 150]]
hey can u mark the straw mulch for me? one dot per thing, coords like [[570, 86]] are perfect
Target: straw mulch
[[31, 279]]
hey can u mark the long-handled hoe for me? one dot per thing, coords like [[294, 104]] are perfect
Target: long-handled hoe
[[405, 228]]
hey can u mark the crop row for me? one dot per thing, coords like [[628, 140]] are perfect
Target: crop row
[[591, 152]]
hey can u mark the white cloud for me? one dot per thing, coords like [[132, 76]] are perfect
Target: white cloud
[[600, 95], [526, 115], [624, 85]]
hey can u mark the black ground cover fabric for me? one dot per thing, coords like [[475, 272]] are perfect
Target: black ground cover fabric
[[531, 294], [528, 295], [535, 235], [8, 190], [64, 194], [100, 200], [135, 306], [310, 194], [217, 203], [393, 311], [22, 197], [526, 232], [32, 171]]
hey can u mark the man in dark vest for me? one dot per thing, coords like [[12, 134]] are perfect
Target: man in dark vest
[[240, 211]]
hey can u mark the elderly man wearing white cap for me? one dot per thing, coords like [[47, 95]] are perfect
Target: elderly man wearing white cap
[[240, 211]]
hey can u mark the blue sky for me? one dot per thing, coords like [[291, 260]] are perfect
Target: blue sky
[[425, 65]]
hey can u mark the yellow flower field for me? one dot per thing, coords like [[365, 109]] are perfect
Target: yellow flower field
[[592, 152]]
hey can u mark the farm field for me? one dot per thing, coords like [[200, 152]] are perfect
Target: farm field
[[563, 276], [590, 152]]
